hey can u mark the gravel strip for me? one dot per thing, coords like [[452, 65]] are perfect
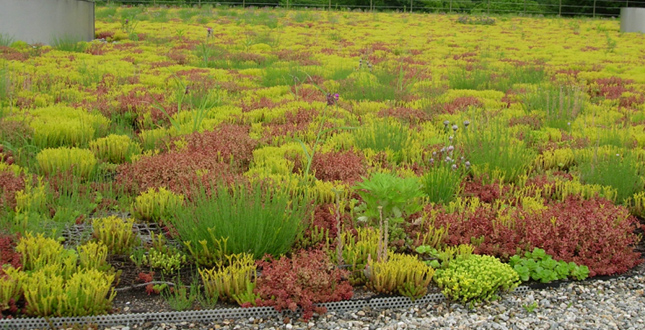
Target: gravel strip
[[597, 304]]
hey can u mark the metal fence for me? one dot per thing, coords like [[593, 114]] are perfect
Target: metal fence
[[590, 8]]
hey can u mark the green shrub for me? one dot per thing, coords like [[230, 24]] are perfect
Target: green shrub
[[256, 219], [441, 183], [81, 162], [539, 266], [621, 172], [69, 44], [495, 154], [384, 135], [398, 196], [476, 278]]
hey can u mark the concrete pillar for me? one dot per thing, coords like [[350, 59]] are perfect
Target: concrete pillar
[[43, 21], [632, 20]]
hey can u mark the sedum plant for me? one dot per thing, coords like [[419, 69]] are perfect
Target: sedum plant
[[93, 255], [156, 204], [400, 273], [81, 162], [39, 251], [357, 249], [54, 284], [86, 292], [305, 279], [114, 148], [539, 266], [58, 126], [234, 282], [476, 278], [443, 256], [116, 233], [162, 256], [11, 288]]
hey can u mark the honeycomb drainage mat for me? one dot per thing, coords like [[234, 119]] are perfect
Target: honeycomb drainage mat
[[75, 233], [207, 316]]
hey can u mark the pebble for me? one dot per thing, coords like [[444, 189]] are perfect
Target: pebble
[[596, 304]]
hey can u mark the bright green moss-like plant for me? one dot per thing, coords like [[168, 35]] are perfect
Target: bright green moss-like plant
[[115, 149], [59, 126], [401, 273], [116, 233], [476, 278], [156, 204], [81, 162]]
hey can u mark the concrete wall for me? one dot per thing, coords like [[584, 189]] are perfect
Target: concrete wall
[[631, 19], [42, 21]]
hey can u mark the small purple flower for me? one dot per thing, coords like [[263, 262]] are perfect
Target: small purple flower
[[467, 163], [332, 98], [446, 123], [209, 32], [443, 149], [450, 138], [127, 21], [448, 159], [455, 127], [431, 160], [454, 167], [466, 123], [451, 148], [434, 153]]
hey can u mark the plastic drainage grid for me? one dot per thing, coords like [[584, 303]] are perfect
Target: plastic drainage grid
[[78, 233], [207, 316]]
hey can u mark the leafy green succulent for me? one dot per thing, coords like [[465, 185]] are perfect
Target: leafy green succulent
[[539, 266]]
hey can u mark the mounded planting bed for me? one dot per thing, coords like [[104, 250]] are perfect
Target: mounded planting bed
[[199, 159]]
